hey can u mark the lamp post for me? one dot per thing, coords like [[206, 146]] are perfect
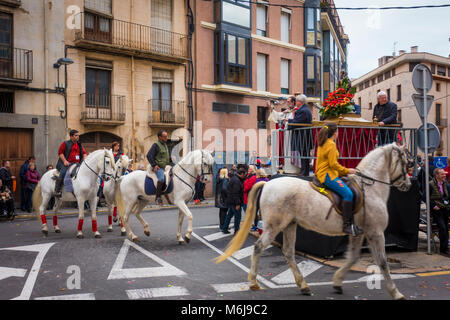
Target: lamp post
[[63, 90]]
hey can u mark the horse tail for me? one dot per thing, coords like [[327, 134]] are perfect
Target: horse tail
[[118, 198], [37, 200], [239, 239]]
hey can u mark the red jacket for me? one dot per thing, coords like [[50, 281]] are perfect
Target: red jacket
[[248, 184]]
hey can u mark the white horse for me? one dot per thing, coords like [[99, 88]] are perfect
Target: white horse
[[286, 202], [109, 188], [131, 196], [85, 186]]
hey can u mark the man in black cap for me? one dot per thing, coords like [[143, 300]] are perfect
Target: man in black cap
[[69, 152]]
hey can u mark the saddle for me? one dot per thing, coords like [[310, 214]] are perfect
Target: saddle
[[70, 173], [151, 178], [336, 200]]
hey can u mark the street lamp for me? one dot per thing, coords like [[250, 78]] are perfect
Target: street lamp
[[62, 90]]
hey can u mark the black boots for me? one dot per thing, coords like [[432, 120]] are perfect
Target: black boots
[[159, 191], [58, 187], [347, 215]]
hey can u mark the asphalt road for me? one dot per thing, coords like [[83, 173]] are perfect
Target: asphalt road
[[61, 266]]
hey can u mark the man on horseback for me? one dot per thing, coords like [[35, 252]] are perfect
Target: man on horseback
[[329, 171], [159, 157], [69, 152]]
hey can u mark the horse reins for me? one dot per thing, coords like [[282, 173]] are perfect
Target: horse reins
[[99, 176]]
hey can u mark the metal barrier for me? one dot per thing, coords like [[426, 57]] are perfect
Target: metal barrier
[[290, 146]]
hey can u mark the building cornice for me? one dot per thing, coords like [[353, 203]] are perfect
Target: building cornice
[[208, 25], [404, 58], [278, 43]]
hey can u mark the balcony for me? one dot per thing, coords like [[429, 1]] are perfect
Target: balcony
[[166, 113], [16, 66], [102, 109], [111, 35], [329, 8], [11, 3]]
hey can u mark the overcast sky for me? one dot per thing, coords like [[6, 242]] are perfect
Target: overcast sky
[[372, 33]]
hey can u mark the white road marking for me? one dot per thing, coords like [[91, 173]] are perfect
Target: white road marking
[[246, 252], [261, 279], [117, 271], [217, 236], [82, 296], [306, 268], [377, 276], [216, 226], [11, 272], [231, 287], [42, 250], [157, 293]]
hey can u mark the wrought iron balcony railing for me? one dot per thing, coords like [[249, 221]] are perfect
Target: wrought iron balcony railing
[[166, 112], [103, 109], [131, 37], [16, 64]]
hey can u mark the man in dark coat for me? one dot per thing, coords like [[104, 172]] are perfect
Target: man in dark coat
[[386, 113], [440, 204], [235, 200], [302, 138]]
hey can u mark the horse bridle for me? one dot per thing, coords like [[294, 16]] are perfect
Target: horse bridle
[[392, 183], [202, 174], [104, 176]]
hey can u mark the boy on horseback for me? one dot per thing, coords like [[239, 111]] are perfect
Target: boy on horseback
[[69, 152], [159, 157]]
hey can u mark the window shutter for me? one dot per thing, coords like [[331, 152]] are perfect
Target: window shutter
[[285, 73], [103, 6], [262, 72]]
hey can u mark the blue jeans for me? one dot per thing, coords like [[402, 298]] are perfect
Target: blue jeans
[[160, 175], [338, 186], [237, 219]]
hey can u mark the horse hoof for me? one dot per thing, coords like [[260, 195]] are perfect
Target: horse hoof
[[338, 289], [255, 287], [80, 236], [110, 230], [147, 233], [45, 232], [123, 233], [306, 291], [136, 240], [115, 219], [57, 231], [98, 236], [188, 240], [181, 242]]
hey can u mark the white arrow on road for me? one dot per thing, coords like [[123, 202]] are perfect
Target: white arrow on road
[[11, 272]]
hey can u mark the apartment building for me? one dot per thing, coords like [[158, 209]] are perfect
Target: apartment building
[[31, 99], [246, 53], [394, 76], [127, 81]]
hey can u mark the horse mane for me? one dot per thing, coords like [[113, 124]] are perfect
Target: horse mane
[[371, 160], [95, 153]]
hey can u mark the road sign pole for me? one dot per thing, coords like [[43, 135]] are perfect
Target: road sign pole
[[427, 171]]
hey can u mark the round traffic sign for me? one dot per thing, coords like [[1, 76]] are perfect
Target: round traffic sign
[[434, 137]]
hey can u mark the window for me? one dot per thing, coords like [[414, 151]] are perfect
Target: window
[[6, 38], [232, 59], [387, 75], [374, 81], [312, 27], [441, 71], [433, 68], [261, 20], [438, 114], [262, 72], [412, 65], [370, 105], [103, 6], [98, 87], [367, 84], [162, 90], [236, 12], [438, 87], [6, 102], [262, 117], [285, 66], [285, 26], [359, 102], [399, 93], [393, 72], [388, 91], [230, 108], [313, 76], [399, 115], [97, 28], [380, 78], [161, 15]]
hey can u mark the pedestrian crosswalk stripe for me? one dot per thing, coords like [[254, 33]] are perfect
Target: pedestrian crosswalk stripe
[[217, 236], [157, 293], [246, 252], [11, 272], [83, 296], [231, 287], [306, 268]]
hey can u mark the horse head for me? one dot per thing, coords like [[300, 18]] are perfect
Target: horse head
[[106, 165], [122, 165], [204, 165], [398, 169]]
